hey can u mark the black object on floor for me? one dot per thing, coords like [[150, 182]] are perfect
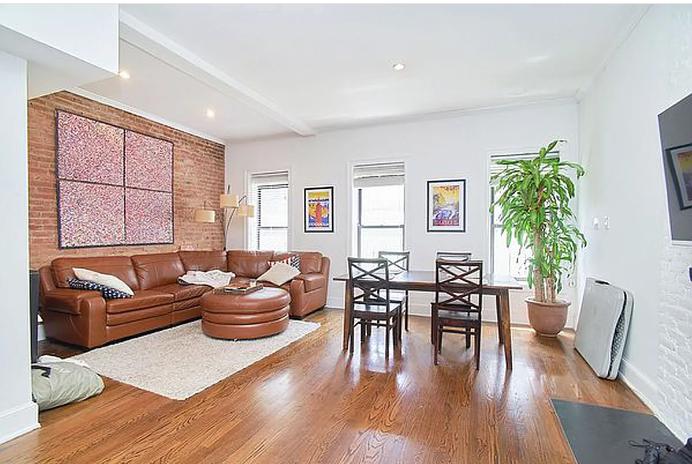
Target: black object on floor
[[599, 435]]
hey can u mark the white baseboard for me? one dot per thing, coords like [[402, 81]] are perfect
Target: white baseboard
[[646, 390], [18, 421]]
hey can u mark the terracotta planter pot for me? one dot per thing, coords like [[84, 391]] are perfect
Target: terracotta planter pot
[[547, 319]]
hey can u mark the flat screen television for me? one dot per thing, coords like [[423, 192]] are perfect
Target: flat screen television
[[675, 125]]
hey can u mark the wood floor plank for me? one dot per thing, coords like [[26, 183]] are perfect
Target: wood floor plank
[[312, 403]]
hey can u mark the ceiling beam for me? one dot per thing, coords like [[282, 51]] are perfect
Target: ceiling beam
[[142, 36]]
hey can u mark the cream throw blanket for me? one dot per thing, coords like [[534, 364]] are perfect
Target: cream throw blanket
[[212, 279]]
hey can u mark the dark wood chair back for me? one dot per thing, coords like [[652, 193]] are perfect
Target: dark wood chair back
[[398, 261], [453, 255], [369, 281], [459, 285]]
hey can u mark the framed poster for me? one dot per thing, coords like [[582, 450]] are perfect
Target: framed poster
[[681, 165], [447, 205], [114, 185], [319, 209]]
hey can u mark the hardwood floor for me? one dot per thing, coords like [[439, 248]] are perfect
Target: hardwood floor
[[311, 403]]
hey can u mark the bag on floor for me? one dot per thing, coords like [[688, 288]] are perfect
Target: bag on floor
[[663, 453], [56, 382]]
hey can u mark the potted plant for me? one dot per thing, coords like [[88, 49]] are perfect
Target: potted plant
[[534, 197]]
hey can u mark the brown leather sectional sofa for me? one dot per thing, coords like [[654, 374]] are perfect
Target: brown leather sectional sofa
[[85, 318]]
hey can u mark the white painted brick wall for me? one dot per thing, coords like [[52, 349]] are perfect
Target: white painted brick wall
[[675, 339]]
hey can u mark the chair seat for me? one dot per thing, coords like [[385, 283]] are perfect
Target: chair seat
[[447, 315], [361, 310]]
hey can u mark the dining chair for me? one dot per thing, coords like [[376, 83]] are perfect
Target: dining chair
[[371, 302], [398, 262], [458, 302]]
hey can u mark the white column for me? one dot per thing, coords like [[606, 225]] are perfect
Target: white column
[[18, 414]]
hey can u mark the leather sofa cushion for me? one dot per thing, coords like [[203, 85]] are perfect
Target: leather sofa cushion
[[250, 264], [142, 299], [204, 260], [119, 266], [183, 292], [158, 269], [310, 261], [137, 315], [313, 281]]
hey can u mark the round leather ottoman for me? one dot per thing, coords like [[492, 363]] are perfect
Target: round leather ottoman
[[254, 315]]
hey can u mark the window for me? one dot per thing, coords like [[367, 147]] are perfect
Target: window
[[506, 260], [269, 229], [379, 200]]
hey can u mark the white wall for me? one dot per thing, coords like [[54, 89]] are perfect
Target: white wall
[[87, 32], [456, 147], [621, 148], [18, 414], [65, 45]]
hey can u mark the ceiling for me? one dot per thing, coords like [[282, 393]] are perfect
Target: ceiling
[[268, 70]]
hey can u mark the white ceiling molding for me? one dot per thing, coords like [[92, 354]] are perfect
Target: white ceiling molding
[[152, 117], [149, 40]]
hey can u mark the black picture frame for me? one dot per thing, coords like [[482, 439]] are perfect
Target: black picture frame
[[682, 190], [59, 179], [461, 228], [306, 227]]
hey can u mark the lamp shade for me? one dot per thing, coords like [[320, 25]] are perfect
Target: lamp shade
[[242, 210], [250, 211], [228, 200], [205, 215]]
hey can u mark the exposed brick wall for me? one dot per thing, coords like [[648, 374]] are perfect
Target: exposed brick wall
[[198, 177], [675, 345]]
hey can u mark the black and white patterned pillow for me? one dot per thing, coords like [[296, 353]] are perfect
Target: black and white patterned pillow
[[107, 292], [293, 260]]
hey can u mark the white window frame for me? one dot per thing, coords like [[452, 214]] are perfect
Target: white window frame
[[354, 200], [248, 189]]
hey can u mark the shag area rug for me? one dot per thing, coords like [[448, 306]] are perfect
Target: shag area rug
[[181, 361]]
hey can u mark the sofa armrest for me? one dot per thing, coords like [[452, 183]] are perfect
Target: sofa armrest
[[71, 301], [324, 269]]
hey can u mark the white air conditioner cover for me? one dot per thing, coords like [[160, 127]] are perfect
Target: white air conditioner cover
[[604, 320]]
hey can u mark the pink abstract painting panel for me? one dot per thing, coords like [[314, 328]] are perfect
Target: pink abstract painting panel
[[91, 214], [89, 150], [149, 216], [148, 162]]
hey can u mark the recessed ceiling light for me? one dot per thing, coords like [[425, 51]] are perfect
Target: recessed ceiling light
[[399, 66], [124, 74], [210, 113]]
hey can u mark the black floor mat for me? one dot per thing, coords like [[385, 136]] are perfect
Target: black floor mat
[[599, 435]]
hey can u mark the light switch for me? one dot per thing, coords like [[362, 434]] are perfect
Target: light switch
[[596, 224], [606, 222]]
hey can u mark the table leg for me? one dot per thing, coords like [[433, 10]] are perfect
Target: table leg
[[347, 314], [506, 330], [498, 309]]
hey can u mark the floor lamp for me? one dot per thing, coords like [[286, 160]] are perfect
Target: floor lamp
[[231, 204]]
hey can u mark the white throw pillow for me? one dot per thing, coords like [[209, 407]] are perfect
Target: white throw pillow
[[103, 279], [279, 274]]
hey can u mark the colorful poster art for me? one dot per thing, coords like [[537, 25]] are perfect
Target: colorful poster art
[[319, 209], [447, 205], [681, 162]]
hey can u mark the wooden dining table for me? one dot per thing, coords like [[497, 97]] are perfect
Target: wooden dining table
[[424, 281]]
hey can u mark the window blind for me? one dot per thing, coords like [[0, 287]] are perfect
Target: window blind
[[378, 174]]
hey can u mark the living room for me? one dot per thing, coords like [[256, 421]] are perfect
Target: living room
[[305, 233]]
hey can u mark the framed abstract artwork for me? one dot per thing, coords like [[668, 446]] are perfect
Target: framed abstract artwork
[[115, 186], [680, 159], [319, 209], [447, 205]]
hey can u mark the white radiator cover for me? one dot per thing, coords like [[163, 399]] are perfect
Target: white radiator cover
[[604, 320]]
